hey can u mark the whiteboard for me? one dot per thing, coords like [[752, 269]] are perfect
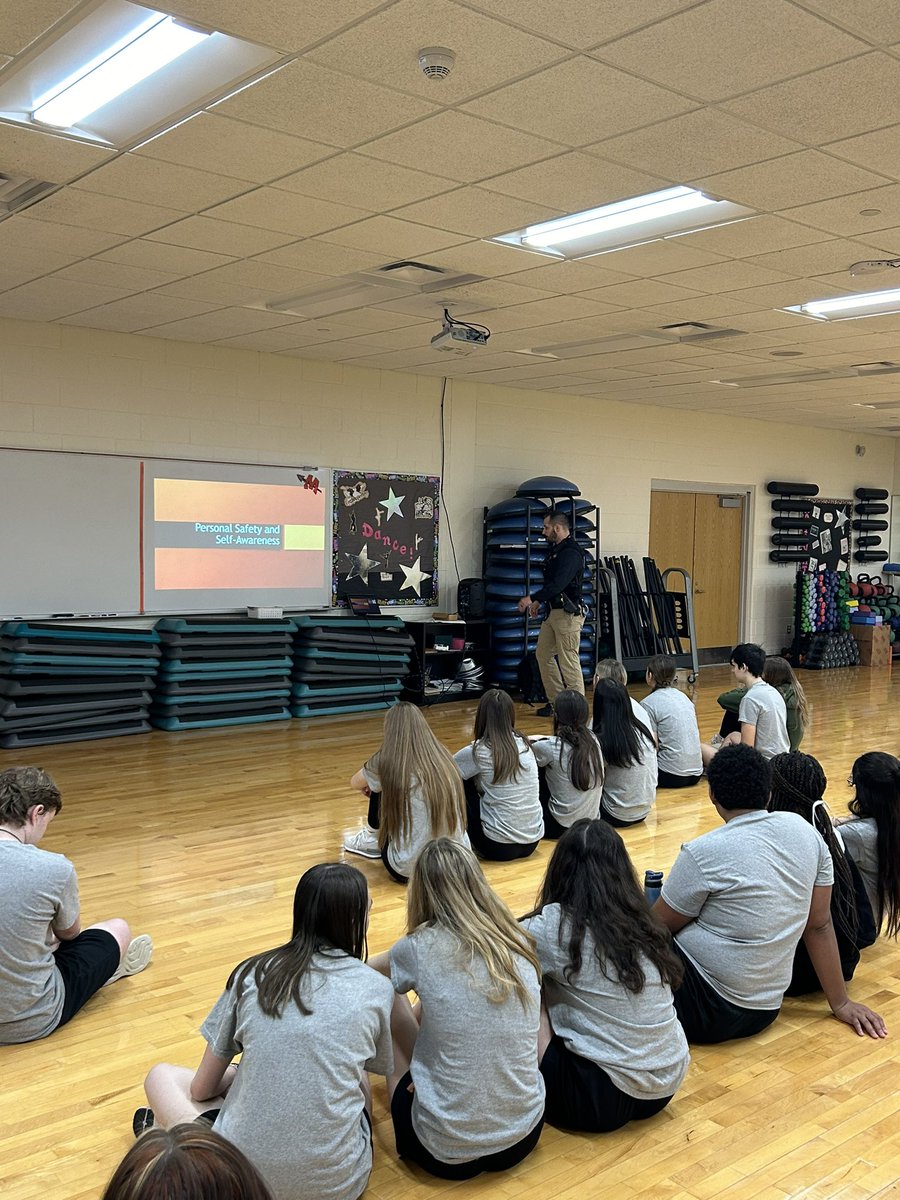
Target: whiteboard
[[68, 533], [72, 527]]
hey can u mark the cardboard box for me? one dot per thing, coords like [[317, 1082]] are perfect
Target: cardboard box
[[874, 643], [871, 633]]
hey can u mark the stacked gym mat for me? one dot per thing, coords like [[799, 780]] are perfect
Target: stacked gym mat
[[71, 683], [514, 553], [348, 664], [222, 671]]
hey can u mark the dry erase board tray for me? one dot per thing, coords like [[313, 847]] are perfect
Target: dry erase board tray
[[73, 733]]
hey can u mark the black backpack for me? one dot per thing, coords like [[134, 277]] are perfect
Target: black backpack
[[529, 677]]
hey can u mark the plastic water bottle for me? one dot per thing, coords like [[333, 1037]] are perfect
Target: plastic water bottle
[[653, 881]]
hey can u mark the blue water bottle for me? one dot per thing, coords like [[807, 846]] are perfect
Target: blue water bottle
[[653, 881]]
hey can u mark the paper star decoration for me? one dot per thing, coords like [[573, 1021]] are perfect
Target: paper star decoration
[[414, 576], [392, 505], [362, 564]]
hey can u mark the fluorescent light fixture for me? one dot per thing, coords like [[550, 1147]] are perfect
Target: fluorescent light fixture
[[669, 213], [849, 308], [154, 47]]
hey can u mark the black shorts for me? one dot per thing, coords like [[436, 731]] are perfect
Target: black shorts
[[706, 1017], [483, 845], [665, 779], [85, 962], [616, 822], [409, 1146], [581, 1096]]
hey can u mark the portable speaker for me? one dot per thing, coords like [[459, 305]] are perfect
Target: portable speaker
[[470, 599]]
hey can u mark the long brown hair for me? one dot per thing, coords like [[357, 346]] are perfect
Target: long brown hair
[[779, 673], [412, 757], [570, 724], [189, 1162], [495, 728], [876, 777], [448, 890]]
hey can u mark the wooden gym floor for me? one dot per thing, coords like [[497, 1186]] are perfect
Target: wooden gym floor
[[199, 838]]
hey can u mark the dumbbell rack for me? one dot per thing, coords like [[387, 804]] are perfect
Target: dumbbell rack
[[822, 621]]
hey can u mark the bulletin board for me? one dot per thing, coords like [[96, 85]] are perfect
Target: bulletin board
[[385, 537], [829, 535]]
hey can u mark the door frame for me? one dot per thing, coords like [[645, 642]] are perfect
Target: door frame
[[748, 494]]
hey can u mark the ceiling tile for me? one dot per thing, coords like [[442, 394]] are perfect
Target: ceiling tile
[[109, 214], [306, 99], [586, 22], [757, 235], [40, 155], [836, 102], [24, 231], [640, 293], [568, 277], [215, 143], [485, 258], [155, 182], [468, 149], [879, 151], [573, 182], [887, 241], [843, 215], [21, 265], [243, 283], [476, 212], [654, 258], [176, 261], [575, 100], [693, 145], [780, 295], [876, 20], [221, 237], [355, 179], [393, 238], [726, 277], [727, 47], [804, 262], [279, 23], [385, 47], [221, 323], [798, 178], [557, 309], [285, 212], [323, 258], [21, 23], [50, 298], [268, 341], [109, 274]]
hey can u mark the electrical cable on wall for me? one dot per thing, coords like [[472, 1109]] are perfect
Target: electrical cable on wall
[[441, 485]]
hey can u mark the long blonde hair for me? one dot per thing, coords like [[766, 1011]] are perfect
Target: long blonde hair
[[448, 890], [779, 673], [495, 728], [412, 757]]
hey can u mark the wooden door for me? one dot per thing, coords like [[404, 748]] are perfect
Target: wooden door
[[692, 530]]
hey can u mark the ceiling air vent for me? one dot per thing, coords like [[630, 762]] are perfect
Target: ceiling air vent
[[20, 191], [363, 289], [695, 331]]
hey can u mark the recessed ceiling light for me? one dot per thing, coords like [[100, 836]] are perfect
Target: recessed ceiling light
[[117, 73], [639, 219], [848, 308]]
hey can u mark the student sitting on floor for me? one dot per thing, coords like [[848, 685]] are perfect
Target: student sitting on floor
[[49, 966], [798, 785], [309, 1020], [738, 899], [780, 674], [871, 835], [466, 1093], [762, 714], [501, 783], [570, 765], [629, 756], [190, 1162], [612, 1049], [611, 668], [674, 721], [415, 794]]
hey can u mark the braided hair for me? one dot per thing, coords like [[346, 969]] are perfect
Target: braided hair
[[798, 785]]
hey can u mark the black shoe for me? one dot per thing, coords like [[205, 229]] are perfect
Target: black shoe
[[142, 1120], [546, 711]]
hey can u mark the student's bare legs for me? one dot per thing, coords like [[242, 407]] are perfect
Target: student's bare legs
[[405, 1021], [168, 1091], [545, 1034]]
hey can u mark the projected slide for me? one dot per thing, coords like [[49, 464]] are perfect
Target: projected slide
[[241, 541]]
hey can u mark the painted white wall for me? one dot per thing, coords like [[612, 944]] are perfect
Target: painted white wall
[[66, 388]]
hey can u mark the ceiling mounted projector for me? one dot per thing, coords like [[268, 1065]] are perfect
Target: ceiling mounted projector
[[458, 337]]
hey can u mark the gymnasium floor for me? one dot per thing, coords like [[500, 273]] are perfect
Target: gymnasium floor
[[199, 838]]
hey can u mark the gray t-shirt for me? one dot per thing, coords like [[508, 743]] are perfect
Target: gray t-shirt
[[763, 706], [510, 811], [567, 803], [674, 721], [475, 1065], [629, 792], [402, 855], [295, 1107], [38, 891], [747, 887], [860, 838], [636, 1038]]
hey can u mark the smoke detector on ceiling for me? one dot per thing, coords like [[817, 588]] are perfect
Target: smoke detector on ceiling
[[874, 266], [436, 62]]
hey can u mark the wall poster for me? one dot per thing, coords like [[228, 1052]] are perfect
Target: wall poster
[[829, 535], [385, 537]]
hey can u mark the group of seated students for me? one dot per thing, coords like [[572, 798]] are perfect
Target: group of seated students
[[578, 1013]]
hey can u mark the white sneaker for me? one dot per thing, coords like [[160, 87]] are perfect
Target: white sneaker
[[135, 958], [363, 842]]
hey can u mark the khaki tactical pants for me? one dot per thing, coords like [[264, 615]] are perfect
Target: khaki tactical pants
[[557, 652]]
